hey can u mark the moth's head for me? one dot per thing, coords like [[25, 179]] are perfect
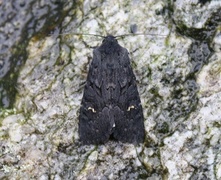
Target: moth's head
[[109, 39]]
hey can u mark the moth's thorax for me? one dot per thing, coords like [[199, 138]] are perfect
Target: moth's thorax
[[110, 45], [109, 39]]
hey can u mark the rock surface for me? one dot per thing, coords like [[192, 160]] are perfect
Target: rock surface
[[178, 68]]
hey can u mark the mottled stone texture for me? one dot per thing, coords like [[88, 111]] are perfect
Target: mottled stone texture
[[177, 63]]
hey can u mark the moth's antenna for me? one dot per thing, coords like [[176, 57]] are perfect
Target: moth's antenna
[[87, 34], [132, 34]]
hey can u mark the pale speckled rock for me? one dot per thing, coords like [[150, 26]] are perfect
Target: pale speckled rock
[[11, 126], [199, 144], [209, 79], [218, 166], [12, 119], [183, 12], [15, 133], [50, 87]]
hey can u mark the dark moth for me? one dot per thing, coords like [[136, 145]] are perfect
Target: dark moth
[[111, 106]]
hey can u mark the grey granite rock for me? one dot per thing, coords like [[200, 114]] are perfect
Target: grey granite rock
[[178, 76]]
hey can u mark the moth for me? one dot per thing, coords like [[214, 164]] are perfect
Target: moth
[[111, 106]]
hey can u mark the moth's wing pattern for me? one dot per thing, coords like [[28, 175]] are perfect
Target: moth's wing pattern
[[95, 126], [111, 103], [129, 121]]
